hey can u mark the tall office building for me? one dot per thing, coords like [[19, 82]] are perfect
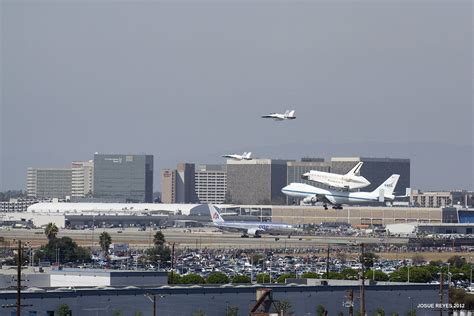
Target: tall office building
[[376, 170], [123, 177], [210, 183], [177, 186], [82, 183], [256, 181], [49, 182], [168, 186], [185, 191]]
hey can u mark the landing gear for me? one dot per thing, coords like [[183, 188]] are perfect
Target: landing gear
[[257, 236], [244, 236], [277, 239], [337, 207], [325, 206]]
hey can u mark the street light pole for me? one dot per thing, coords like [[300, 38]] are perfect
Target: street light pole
[[18, 281]]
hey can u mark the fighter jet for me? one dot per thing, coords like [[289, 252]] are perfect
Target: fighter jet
[[349, 181], [244, 156], [288, 115], [311, 194], [254, 229]]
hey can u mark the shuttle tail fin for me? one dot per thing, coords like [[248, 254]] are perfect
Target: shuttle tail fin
[[215, 216], [355, 170], [292, 113], [247, 155], [388, 186]]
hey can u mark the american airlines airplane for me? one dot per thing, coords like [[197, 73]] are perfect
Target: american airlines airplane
[[288, 115], [244, 156], [255, 229], [349, 181], [311, 194]]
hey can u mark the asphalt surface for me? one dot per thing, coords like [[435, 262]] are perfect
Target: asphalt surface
[[195, 238]]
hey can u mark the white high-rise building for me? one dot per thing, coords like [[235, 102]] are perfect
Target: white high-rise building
[[210, 182], [82, 182]]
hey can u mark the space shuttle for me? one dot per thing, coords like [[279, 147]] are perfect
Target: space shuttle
[[349, 181]]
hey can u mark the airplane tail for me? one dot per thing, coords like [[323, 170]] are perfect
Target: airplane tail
[[244, 154], [247, 155], [292, 113], [388, 186], [215, 216], [287, 112], [355, 170]]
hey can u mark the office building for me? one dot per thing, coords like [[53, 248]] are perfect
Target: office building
[[168, 186], [441, 198], [376, 170], [256, 181], [210, 183], [49, 182], [82, 182], [123, 177], [185, 192], [177, 186]]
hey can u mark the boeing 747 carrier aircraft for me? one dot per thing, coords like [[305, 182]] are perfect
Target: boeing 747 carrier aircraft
[[255, 229], [311, 194]]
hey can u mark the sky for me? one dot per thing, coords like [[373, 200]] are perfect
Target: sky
[[187, 81]]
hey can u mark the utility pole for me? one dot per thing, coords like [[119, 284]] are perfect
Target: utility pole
[[351, 302], [327, 264], [154, 305], [362, 283], [172, 262], [441, 285], [18, 281]]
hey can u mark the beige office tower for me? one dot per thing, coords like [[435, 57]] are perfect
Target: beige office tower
[[49, 182], [82, 182], [168, 186], [210, 183]]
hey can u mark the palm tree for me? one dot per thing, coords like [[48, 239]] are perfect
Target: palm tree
[[105, 240], [51, 231]]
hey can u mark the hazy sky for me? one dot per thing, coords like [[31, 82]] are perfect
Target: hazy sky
[[188, 81]]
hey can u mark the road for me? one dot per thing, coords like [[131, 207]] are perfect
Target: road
[[202, 237]]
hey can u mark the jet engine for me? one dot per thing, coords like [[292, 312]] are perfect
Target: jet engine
[[253, 232], [310, 200]]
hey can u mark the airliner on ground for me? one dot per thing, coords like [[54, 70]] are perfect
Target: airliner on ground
[[244, 156], [311, 194], [255, 229], [349, 181], [288, 115]]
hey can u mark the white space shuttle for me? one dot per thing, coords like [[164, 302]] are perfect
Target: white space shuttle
[[288, 115], [244, 156], [349, 181], [311, 194]]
